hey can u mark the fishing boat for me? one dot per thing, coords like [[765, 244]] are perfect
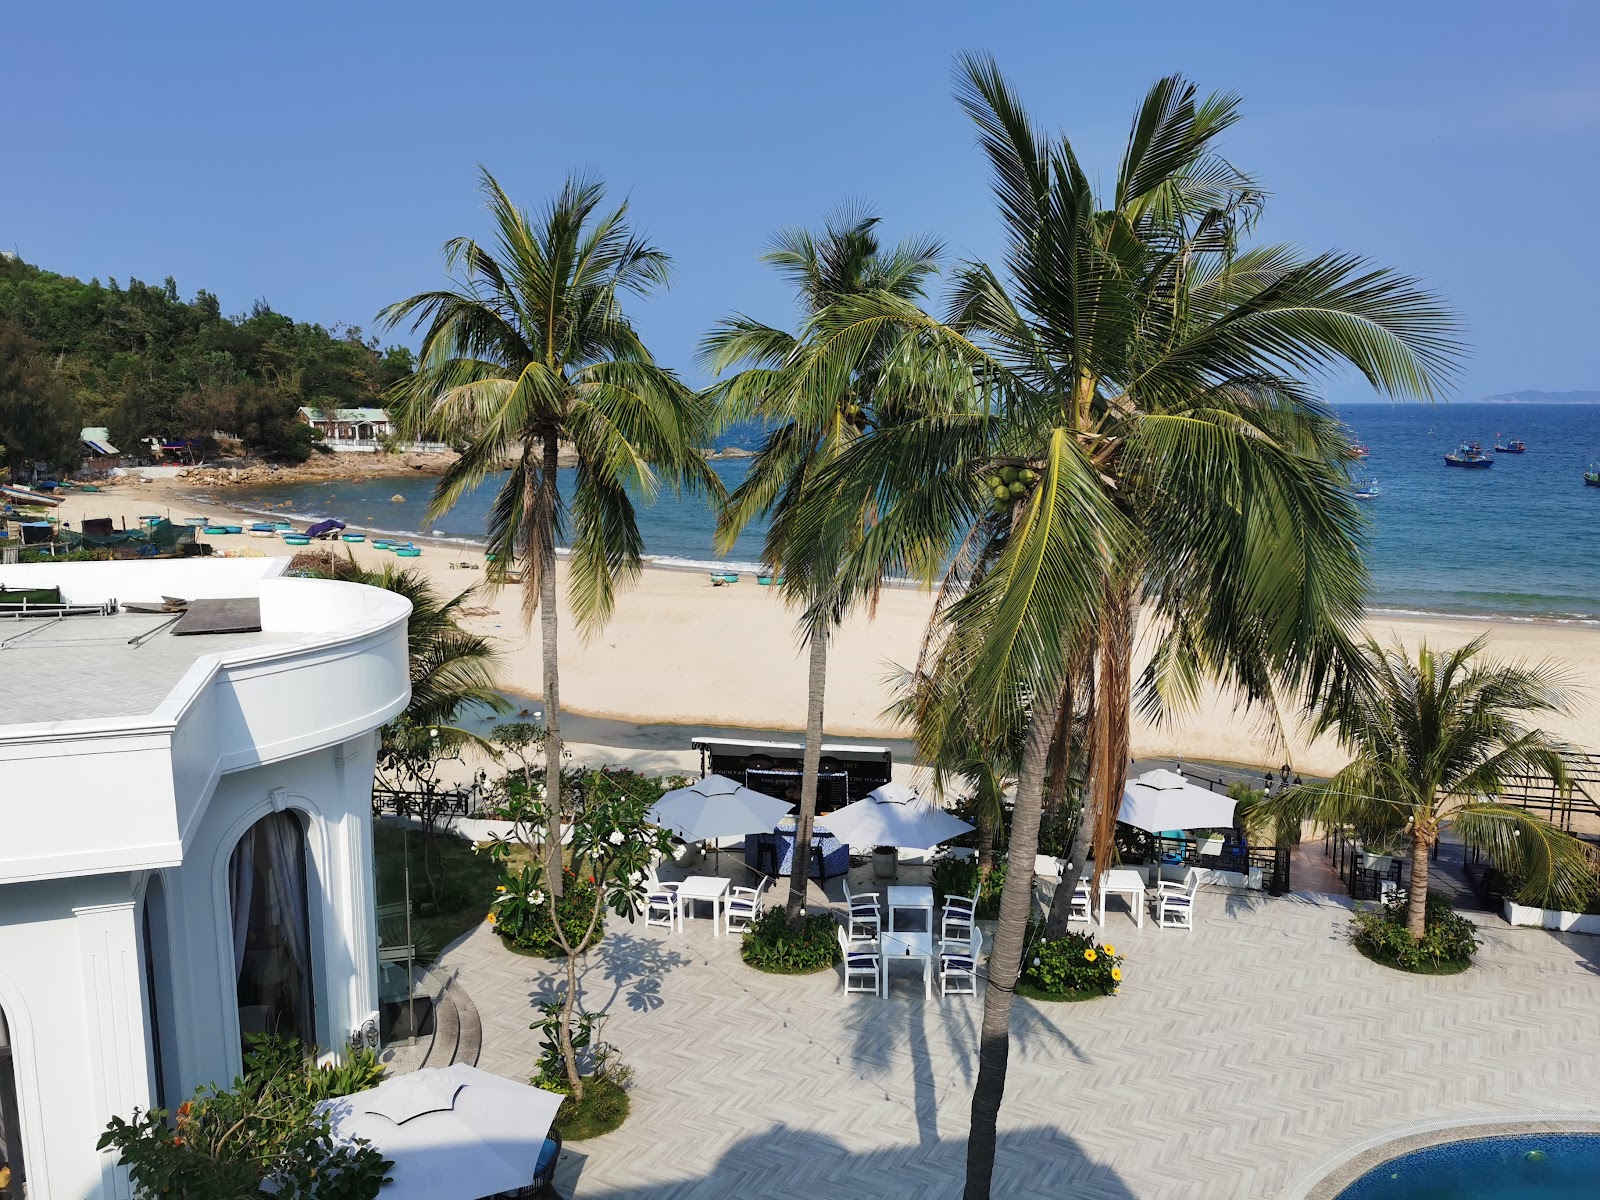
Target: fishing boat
[[352, 537], [28, 496], [1514, 446], [1359, 450], [408, 551], [1591, 477], [1367, 489], [197, 522], [381, 543], [1468, 454], [296, 539], [282, 525]]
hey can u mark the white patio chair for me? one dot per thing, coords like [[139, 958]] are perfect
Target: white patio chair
[[662, 907], [744, 904], [958, 966], [1166, 886], [1082, 906], [959, 918], [862, 966], [865, 918], [1175, 909]]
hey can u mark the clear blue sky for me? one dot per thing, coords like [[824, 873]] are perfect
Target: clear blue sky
[[317, 155]]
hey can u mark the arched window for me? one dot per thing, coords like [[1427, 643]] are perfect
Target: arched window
[[13, 1177], [272, 929]]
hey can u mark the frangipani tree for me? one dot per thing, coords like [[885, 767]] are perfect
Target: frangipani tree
[[610, 845], [530, 358], [1436, 738]]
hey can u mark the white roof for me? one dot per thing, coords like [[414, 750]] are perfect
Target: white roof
[[378, 415]]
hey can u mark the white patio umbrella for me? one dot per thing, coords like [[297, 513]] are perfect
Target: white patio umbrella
[[455, 1133], [1160, 800], [716, 807], [893, 815]]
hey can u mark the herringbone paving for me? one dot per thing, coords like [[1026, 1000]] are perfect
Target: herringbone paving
[[1232, 1059]]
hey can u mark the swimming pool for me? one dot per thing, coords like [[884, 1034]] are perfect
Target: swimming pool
[[1539, 1166]]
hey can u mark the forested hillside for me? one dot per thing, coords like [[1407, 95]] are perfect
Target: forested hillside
[[143, 362]]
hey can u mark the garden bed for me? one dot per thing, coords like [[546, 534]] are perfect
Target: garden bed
[[1024, 988]]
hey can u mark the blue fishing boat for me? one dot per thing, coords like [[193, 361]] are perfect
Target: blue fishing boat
[[353, 537], [1514, 446], [1367, 489], [1468, 454], [1591, 477], [296, 539]]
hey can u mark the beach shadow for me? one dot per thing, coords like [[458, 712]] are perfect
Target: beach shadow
[[1040, 1162]]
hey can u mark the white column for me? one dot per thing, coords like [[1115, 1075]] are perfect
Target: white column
[[116, 1036]]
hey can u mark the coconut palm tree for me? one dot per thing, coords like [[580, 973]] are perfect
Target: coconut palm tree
[[1436, 738], [529, 356], [809, 422], [451, 669], [1151, 442]]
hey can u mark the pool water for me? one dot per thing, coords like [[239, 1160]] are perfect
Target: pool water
[[1545, 1166]]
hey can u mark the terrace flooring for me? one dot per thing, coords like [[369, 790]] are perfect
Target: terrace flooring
[[1232, 1060]]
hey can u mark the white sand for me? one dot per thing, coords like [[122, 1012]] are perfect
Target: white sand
[[679, 650]]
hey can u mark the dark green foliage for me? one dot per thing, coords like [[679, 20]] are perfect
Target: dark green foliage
[[38, 413], [959, 877], [770, 945], [603, 1108], [144, 363], [226, 1144], [521, 913], [1073, 966], [1448, 944]]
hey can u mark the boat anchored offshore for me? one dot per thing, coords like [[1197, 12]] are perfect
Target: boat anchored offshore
[[1591, 477], [1514, 446], [1359, 450], [1367, 489], [1468, 454]]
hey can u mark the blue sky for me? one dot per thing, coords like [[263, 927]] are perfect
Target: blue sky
[[318, 155]]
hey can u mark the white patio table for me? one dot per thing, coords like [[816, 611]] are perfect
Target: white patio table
[[1123, 881], [904, 904], [712, 888], [907, 947]]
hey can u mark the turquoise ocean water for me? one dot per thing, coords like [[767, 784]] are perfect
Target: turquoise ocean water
[[1521, 539]]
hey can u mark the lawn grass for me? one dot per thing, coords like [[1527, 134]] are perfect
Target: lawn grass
[[1443, 968], [605, 1106], [467, 883]]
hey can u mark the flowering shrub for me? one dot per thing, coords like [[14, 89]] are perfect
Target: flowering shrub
[[521, 912], [1072, 966]]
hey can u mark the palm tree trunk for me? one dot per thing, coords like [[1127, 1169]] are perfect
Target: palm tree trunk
[[1108, 772], [1005, 958], [815, 688], [552, 674], [985, 842], [1417, 899]]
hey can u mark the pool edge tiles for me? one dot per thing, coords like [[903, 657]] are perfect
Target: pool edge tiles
[[1331, 1175]]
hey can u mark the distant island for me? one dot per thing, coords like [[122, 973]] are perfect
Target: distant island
[[1535, 397]]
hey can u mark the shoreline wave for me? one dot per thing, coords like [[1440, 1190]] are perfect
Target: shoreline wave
[[671, 562]]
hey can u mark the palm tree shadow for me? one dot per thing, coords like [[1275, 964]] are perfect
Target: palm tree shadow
[[786, 1163]]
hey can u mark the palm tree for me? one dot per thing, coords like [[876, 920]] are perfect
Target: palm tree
[[530, 354], [1157, 443], [451, 669], [810, 421], [1436, 739]]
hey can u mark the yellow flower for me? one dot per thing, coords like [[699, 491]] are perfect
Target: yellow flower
[[1110, 949], [1116, 973], [1090, 955], [501, 888], [491, 918]]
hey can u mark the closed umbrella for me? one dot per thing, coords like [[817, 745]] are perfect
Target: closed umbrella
[[455, 1133], [716, 807], [1160, 800], [893, 815]]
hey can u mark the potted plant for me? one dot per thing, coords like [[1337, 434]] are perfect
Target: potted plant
[[885, 861]]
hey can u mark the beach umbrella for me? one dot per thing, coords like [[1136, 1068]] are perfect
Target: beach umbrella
[[1160, 800], [893, 815], [455, 1133], [716, 807]]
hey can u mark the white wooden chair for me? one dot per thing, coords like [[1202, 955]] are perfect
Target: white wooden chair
[[959, 918], [1082, 906], [865, 917], [1174, 908], [862, 965], [744, 904], [661, 907], [958, 966]]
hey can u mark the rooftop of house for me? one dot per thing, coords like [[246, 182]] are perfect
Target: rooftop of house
[[371, 415]]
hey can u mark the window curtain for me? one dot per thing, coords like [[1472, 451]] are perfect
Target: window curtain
[[242, 885], [286, 906]]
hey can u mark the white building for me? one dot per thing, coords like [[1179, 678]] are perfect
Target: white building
[[185, 841]]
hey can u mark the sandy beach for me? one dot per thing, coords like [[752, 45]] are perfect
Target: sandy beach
[[679, 650]]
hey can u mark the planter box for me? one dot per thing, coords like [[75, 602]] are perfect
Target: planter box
[[1550, 918], [476, 830]]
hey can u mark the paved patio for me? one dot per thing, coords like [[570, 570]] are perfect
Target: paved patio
[[1231, 1061]]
